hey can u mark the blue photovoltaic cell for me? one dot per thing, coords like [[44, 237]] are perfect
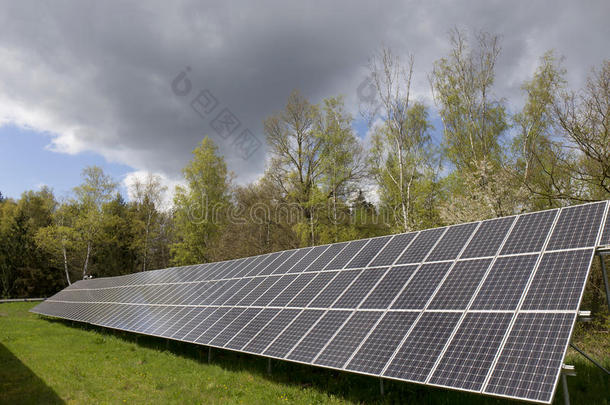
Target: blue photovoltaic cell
[[458, 288], [205, 324], [218, 326], [488, 238], [529, 232], [317, 337], [472, 350], [341, 347], [384, 293], [313, 288], [249, 331], [258, 291], [307, 259], [421, 286], [559, 281], [605, 238], [240, 294], [291, 261], [393, 249], [334, 289], [346, 254], [530, 362], [577, 226], [381, 343], [193, 319], [452, 242], [293, 333], [227, 291], [275, 290], [505, 283], [266, 335], [420, 247], [272, 267], [235, 326], [260, 267], [417, 355], [368, 252], [326, 257], [292, 290], [247, 268], [359, 288]]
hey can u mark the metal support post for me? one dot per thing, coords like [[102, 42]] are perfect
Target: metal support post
[[566, 393], [209, 354], [381, 386], [268, 366], [566, 370], [605, 276]]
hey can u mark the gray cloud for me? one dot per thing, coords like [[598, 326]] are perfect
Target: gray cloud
[[96, 76]]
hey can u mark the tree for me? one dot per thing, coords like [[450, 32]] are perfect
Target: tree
[[260, 221], [60, 237], [97, 188], [148, 195], [400, 155], [461, 82], [200, 206], [583, 121], [342, 161], [25, 270], [115, 250], [534, 146], [295, 147]]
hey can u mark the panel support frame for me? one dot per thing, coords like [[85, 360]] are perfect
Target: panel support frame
[[601, 254]]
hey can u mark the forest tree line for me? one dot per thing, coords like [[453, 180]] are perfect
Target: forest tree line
[[323, 184]]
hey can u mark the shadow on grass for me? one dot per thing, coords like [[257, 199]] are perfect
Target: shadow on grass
[[19, 385], [587, 387]]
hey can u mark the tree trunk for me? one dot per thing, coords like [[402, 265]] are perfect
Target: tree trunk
[[63, 248], [87, 259], [146, 241], [401, 186]]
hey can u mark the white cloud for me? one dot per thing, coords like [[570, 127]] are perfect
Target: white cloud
[[96, 77]]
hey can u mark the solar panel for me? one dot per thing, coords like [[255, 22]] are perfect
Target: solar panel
[[282, 344], [310, 345], [339, 349], [416, 356], [486, 306], [530, 362], [472, 351], [379, 346], [605, 239]]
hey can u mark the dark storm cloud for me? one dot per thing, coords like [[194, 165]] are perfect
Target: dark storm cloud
[[97, 76]]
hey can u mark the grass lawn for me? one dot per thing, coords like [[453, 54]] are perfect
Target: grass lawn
[[53, 361]]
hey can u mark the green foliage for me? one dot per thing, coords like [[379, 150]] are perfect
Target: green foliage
[[200, 206], [462, 81], [24, 269], [401, 161]]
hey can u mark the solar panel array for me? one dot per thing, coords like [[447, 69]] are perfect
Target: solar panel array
[[487, 307]]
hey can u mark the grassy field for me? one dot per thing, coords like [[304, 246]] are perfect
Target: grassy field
[[53, 361]]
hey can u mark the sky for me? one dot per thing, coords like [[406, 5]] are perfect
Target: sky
[[133, 87]]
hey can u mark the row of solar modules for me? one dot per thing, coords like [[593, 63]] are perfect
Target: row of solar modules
[[464, 350], [575, 228], [556, 286], [368, 342]]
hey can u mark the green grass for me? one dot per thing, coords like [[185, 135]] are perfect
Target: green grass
[[54, 361]]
